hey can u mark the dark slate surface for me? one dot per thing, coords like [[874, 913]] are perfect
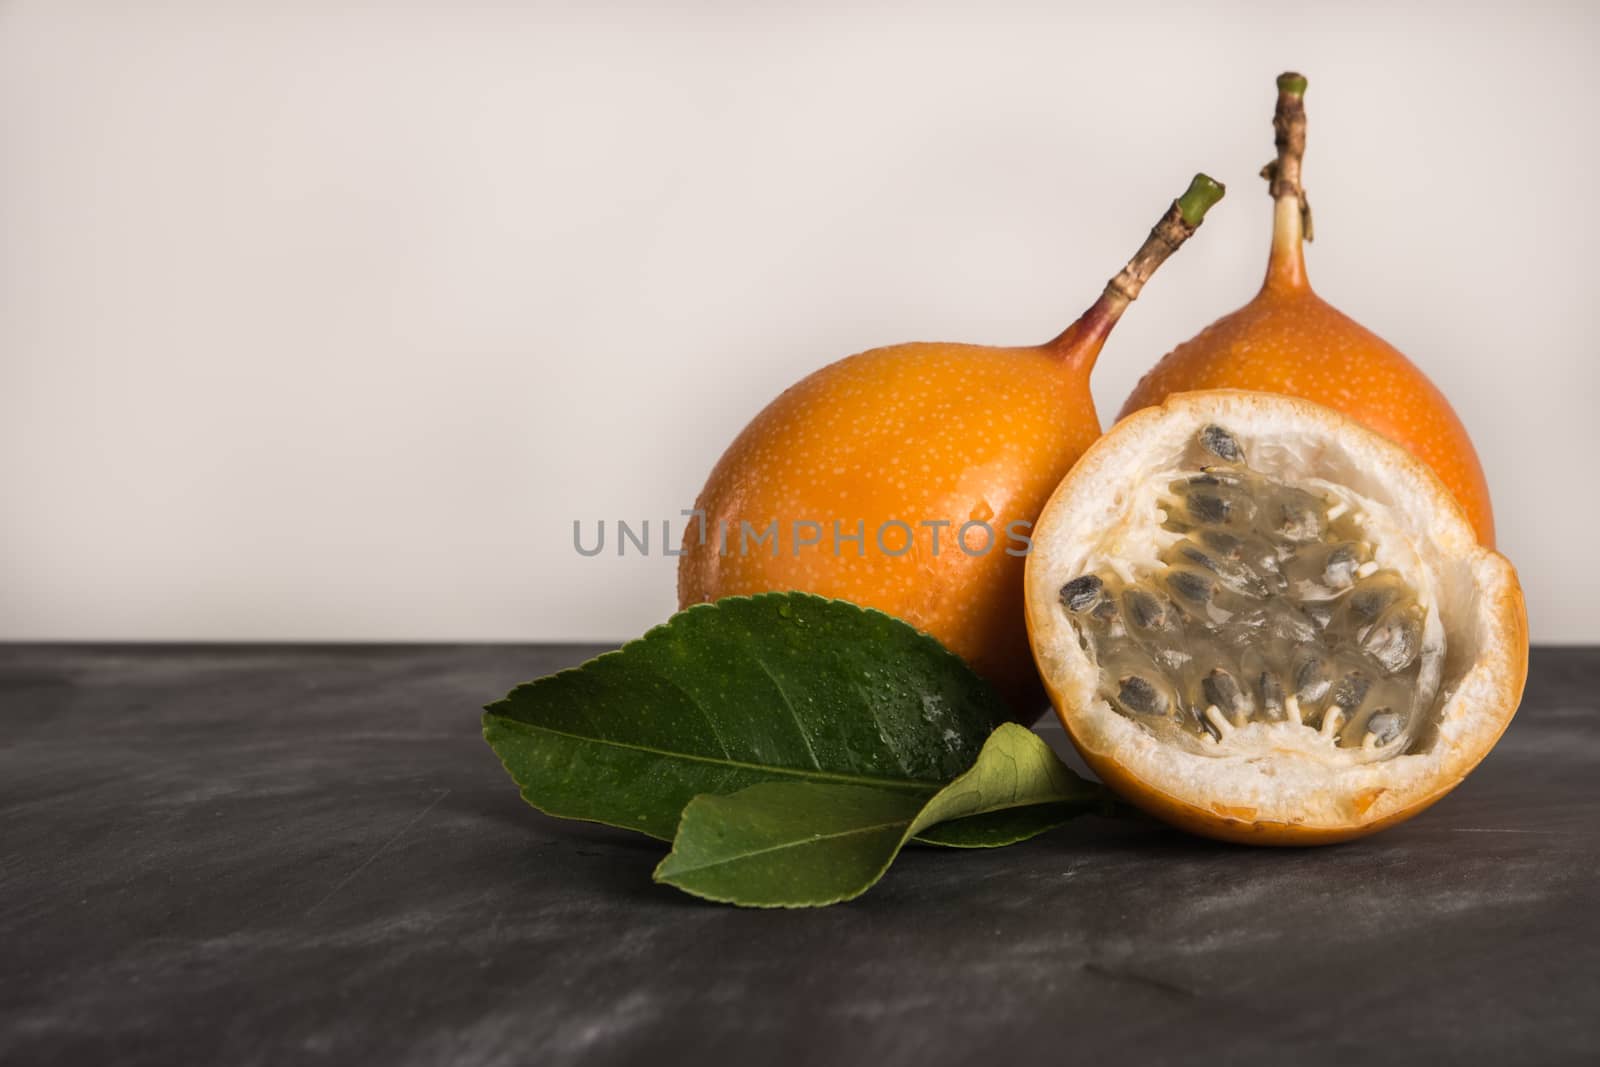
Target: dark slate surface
[[270, 854]]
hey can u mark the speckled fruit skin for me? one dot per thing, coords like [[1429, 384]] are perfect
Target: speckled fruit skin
[[1289, 340], [919, 433]]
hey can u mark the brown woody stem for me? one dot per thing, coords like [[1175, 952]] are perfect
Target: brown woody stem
[[1082, 341], [1289, 130], [1167, 236]]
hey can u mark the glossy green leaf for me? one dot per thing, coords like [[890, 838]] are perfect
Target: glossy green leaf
[[788, 844], [782, 687], [806, 844], [997, 829]]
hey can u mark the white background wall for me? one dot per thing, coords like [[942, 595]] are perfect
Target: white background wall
[[324, 321]]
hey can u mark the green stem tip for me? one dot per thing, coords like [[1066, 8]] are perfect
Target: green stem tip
[[1204, 191], [1290, 82]]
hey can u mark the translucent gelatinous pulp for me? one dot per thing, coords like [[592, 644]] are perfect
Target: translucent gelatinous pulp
[[1266, 606]]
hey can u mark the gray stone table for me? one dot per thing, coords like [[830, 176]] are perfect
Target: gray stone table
[[307, 855]]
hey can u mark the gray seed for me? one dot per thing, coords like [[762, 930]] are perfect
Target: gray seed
[[1082, 593], [1145, 610], [1138, 695], [1190, 586], [1339, 570], [1220, 442], [1351, 691], [1395, 641], [1311, 681], [1386, 724], [1242, 579], [1208, 508], [1235, 576], [1221, 688], [1372, 595], [1223, 543], [1193, 554]]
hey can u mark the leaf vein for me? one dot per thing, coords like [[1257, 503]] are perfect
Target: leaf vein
[[854, 831], [794, 713], [907, 785]]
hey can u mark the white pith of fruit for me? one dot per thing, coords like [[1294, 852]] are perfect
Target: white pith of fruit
[[1106, 516]]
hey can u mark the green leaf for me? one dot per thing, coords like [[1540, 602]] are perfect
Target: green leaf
[[788, 844], [781, 687], [997, 829], [807, 844]]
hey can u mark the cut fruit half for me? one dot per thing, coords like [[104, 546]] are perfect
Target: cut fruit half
[[1264, 623]]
